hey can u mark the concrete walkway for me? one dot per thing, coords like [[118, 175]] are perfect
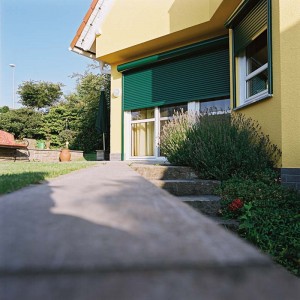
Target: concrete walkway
[[107, 233]]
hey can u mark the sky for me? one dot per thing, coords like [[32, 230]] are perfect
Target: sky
[[35, 36]]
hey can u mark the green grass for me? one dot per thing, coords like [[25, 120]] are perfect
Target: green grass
[[14, 176]]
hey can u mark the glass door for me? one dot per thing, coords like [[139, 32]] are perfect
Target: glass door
[[146, 127], [142, 133], [166, 114]]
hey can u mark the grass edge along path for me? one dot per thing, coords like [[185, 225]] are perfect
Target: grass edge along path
[[14, 176]]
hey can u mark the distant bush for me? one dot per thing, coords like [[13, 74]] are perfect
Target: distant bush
[[218, 146], [23, 122], [4, 109]]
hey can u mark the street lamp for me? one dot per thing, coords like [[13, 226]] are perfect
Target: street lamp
[[13, 66]]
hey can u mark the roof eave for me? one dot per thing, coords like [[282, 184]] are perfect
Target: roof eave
[[90, 28]]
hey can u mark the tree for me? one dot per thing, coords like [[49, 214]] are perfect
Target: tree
[[23, 122], [72, 120], [61, 124], [86, 100], [4, 109], [39, 94]]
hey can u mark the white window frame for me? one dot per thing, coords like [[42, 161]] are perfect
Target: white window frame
[[130, 136], [244, 78], [128, 121]]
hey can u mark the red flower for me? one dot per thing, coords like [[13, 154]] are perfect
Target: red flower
[[236, 204]]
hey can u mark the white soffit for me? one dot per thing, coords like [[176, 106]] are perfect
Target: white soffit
[[93, 26]]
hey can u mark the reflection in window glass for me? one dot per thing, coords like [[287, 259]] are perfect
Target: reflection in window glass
[[257, 84], [257, 60], [142, 139], [257, 53], [215, 107], [168, 111], [142, 114]]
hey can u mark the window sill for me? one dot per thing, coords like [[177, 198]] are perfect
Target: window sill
[[254, 100]]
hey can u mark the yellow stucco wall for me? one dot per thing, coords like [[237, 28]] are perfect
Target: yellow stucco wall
[[137, 28], [132, 22], [116, 114], [279, 116], [290, 81]]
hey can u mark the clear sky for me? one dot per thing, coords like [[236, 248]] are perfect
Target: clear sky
[[35, 36]]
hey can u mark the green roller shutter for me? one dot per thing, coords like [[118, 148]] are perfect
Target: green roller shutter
[[255, 20], [197, 76]]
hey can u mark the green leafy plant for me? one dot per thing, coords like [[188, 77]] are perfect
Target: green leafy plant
[[269, 217]]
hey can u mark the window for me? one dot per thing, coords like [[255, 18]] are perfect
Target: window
[[251, 52], [214, 107], [142, 132], [146, 127], [167, 112], [253, 63]]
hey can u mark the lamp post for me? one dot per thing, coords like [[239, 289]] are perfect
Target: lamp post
[[13, 66]]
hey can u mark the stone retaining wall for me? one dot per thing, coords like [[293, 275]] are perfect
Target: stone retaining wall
[[43, 155]]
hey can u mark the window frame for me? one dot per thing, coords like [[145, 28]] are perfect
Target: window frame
[[239, 62]]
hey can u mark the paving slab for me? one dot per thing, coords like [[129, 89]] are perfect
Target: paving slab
[[107, 233]]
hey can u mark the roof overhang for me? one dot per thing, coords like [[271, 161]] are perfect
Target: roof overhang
[[84, 42]]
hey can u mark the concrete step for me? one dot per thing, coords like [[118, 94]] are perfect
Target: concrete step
[[188, 187], [232, 225], [156, 172], [210, 206], [207, 204]]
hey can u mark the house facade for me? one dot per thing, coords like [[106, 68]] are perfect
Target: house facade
[[208, 55]]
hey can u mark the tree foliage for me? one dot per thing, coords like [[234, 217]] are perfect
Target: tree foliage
[[23, 122], [72, 120], [4, 109], [39, 94], [86, 102]]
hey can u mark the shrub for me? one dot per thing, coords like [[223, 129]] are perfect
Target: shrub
[[218, 146], [222, 146], [23, 122], [174, 143], [269, 217], [247, 190]]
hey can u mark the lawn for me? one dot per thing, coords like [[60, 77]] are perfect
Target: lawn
[[14, 176]]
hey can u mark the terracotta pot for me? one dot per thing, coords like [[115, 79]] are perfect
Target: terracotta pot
[[64, 155]]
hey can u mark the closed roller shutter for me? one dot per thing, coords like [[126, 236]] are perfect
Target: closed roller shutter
[[197, 76], [254, 22]]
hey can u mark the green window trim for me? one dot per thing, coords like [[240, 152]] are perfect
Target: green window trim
[[122, 124], [241, 37]]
